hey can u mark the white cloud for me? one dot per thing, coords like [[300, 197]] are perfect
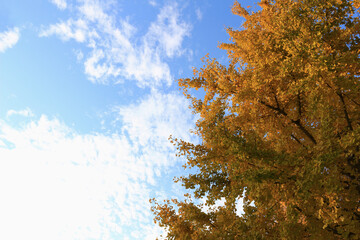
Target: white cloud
[[156, 117], [93, 67], [239, 206], [149, 124], [152, 3], [58, 184], [207, 209], [71, 29], [169, 31], [61, 4], [199, 14], [9, 38], [79, 54], [115, 52], [24, 112]]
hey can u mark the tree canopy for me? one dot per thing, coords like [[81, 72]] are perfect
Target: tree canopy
[[279, 127]]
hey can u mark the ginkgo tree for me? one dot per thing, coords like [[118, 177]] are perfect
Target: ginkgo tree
[[279, 127]]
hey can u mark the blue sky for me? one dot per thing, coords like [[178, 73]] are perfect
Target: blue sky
[[88, 99]]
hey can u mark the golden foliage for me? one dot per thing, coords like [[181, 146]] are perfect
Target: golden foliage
[[280, 123]]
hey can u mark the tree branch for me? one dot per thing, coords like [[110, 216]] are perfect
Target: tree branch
[[299, 104], [297, 140], [277, 102], [296, 122], [351, 99], [345, 110]]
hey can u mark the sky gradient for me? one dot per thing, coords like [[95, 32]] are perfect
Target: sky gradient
[[88, 99]]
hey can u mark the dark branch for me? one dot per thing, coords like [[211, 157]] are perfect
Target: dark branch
[[352, 100], [345, 111], [296, 122], [277, 102], [299, 104], [297, 140]]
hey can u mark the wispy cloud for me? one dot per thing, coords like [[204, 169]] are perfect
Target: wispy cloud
[[77, 30], [152, 3], [24, 112], [9, 38], [168, 31], [156, 117], [61, 4], [59, 184], [115, 52], [199, 14]]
